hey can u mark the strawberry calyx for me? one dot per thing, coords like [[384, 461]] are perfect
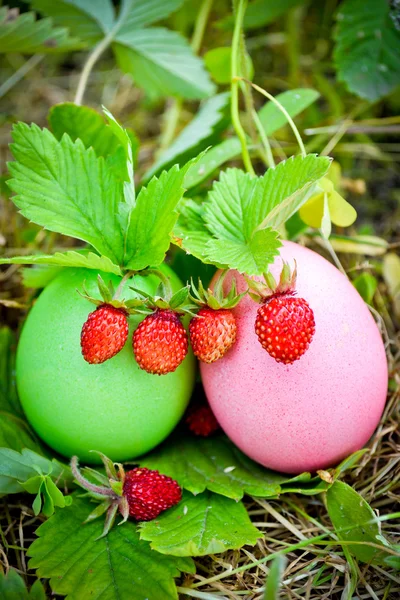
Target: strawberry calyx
[[109, 493], [216, 298], [263, 291], [111, 297], [164, 298]]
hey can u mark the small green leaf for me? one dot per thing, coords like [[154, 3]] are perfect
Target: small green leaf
[[200, 128], [274, 579], [366, 52], [355, 521], [217, 465], [366, 285], [218, 62], [152, 220], [214, 158], [71, 258], [12, 587], [66, 188], [162, 62], [117, 566], [17, 468], [199, 525], [24, 34], [294, 101]]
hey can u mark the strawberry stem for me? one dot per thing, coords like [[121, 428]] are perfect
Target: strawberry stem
[[86, 484]]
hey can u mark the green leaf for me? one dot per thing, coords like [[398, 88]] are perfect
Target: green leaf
[[190, 232], [260, 13], [39, 276], [370, 245], [366, 285], [218, 62], [16, 434], [241, 211], [199, 129], [22, 33], [152, 220], [146, 12], [200, 525], [84, 123], [66, 188], [71, 258], [294, 101], [17, 468], [214, 158], [274, 579], [117, 567], [217, 465], [391, 275], [163, 63], [366, 53], [87, 19], [12, 587], [355, 521]]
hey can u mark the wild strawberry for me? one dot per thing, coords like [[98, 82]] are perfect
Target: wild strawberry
[[212, 333], [104, 334], [285, 326], [140, 493], [201, 420], [149, 493], [213, 330], [160, 343]]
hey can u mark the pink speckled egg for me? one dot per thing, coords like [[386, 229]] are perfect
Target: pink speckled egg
[[313, 413]]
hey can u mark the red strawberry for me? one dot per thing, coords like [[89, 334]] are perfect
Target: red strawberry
[[212, 333], [149, 493], [104, 334], [160, 342], [201, 420], [285, 326]]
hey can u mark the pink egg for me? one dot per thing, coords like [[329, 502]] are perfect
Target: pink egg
[[313, 413]]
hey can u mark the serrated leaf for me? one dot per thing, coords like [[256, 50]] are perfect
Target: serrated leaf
[[206, 463], [355, 521], [200, 525], [199, 129], [17, 468], [152, 220], [66, 188], [146, 12], [12, 587], [294, 101], [71, 258], [162, 62], [117, 567], [366, 53], [190, 232], [24, 34], [87, 19]]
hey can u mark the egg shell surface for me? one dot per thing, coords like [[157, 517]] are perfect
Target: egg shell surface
[[314, 412], [75, 407]]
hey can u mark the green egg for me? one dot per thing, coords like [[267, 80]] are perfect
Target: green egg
[[75, 407]]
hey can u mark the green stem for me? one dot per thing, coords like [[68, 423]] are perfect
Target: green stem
[[241, 9], [284, 111], [200, 25], [264, 139], [97, 52], [164, 280], [20, 73]]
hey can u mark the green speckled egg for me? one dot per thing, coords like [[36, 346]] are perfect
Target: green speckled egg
[[75, 407]]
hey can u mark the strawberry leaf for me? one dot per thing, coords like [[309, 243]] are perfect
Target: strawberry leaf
[[119, 566], [152, 220], [190, 232], [23, 33], [71, 258], [217, 465], [366, 53], [16, 469], [66, 188], [199, 525], [12, 587]]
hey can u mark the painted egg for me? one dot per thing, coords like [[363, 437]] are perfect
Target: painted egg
[[312, 413], [113, 407]]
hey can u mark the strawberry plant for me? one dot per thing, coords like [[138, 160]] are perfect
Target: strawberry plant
[[192, 380]]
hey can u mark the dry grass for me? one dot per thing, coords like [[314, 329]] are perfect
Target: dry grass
[[315, 571]]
